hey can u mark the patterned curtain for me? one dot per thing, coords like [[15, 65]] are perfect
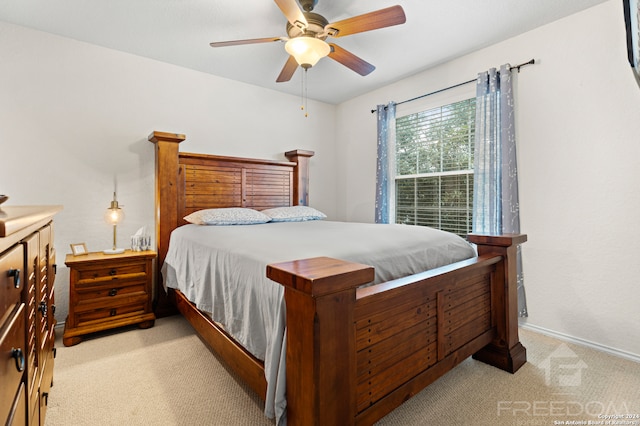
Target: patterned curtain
[[385, 172], [495, 192]]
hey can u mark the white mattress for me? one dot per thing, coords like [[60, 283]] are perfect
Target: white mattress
[[222, 269]]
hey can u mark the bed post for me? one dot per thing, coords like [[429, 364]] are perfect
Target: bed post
[[320, 295], [505, 352], [166, 213], [300, 175]]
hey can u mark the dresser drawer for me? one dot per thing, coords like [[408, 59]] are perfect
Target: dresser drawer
[[18, 415], [12, 280], [12, 359], [108, 273]]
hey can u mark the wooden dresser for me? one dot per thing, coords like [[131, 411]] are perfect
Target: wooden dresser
[[27, 337], [108, 291]]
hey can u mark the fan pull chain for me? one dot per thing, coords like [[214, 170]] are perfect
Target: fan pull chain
[[302, 90], [304, 93]]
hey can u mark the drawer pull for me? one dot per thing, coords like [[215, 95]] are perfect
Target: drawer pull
[[15, 274], [18, 356], [44, 309], [113, 292], [112, 313], [113, 272]]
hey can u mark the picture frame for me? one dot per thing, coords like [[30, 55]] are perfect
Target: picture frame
[[79, 249], [632, 27]]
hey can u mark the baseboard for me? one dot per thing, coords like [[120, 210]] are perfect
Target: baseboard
[[582, 342]]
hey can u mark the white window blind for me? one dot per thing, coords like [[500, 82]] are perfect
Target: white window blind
[[434, 167]]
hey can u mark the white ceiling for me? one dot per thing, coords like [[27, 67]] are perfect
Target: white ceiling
[[179, 32]]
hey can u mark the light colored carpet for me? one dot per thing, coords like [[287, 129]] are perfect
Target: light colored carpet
[[165, 375]]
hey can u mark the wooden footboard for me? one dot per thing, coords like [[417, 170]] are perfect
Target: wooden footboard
[[355, 354]]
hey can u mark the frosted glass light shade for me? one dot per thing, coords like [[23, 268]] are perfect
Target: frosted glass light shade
[[307, 50], [114, 215]]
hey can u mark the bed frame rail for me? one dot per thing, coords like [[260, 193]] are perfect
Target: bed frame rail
[[244, 364]]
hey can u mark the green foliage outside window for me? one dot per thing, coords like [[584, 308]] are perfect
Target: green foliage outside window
[[434, 167]]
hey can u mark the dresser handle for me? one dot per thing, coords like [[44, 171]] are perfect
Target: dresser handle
[[113, 312], [18, 356], [113, 272], [44, 309], [113, 292], [15, 274]]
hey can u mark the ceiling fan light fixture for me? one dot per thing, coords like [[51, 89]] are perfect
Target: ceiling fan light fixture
[[307, 50]]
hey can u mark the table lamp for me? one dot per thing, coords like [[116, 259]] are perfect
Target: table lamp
[[113, 216]]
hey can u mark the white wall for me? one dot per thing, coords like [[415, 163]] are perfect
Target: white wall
[[75, 117], [578, 127]]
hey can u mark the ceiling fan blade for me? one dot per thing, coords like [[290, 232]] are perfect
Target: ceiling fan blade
[[382, 18], [293, 13], [350, 60], [247, 41], [290, 67]]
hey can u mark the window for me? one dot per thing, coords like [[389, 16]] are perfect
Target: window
[[434, 167]]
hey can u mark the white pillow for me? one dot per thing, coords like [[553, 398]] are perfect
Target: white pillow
[[227, 216], [294, 214]]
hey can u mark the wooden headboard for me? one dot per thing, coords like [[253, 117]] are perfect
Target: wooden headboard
[[187, 182]]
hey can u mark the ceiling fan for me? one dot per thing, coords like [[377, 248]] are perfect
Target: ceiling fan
[[307, 32]]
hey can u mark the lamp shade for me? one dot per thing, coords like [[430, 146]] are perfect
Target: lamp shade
[[307, 50], [114, 214]]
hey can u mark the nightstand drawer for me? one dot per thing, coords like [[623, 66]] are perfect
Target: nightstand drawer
[[13, 353], [113, 290], [111, 272], [110, 313], [115, 281], [111, 302], [12, 280]]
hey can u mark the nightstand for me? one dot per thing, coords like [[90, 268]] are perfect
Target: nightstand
[[108, 291]]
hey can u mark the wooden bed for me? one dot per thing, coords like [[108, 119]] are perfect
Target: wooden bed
[[353, 354]]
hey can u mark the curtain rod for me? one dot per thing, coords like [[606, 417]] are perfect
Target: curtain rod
[[516, 67]]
